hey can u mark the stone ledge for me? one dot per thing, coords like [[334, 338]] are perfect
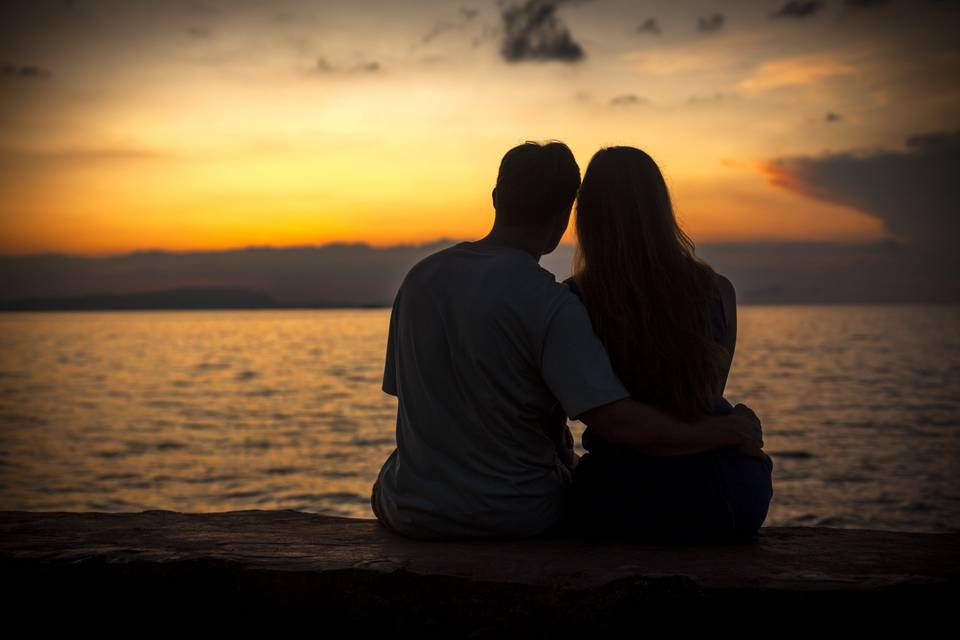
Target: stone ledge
[[357, 572]]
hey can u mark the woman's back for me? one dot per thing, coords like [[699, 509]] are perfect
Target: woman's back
[[723, 322], [717, 496], [668, 323]]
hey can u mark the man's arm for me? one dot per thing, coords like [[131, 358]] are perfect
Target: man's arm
[[577, 370], [654, 432]]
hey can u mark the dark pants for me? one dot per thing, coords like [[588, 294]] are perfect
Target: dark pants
[[716, 497]]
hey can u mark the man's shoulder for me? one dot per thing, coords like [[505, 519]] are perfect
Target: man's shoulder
[[537, 287], [430, 263], [439, 255], [574, 288]]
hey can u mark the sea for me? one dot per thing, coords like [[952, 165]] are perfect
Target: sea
[[206, 411]]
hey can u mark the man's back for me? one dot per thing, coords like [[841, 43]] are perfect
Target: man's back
[[482, 344]]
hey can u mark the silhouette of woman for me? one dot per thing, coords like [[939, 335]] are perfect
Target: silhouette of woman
[[668, 322]]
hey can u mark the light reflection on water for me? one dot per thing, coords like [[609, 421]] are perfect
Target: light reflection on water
[[219, 410]]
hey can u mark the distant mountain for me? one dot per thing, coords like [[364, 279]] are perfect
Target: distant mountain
[[334, 274], [183, 298], [337, 275], [199, 298]]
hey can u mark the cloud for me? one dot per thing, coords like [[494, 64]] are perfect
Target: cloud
[[796, 71], [798, 9], [325, 66], [465, 16], [27, 72], [650, 26], [201, 33], [532, 31], [711, 23], [914, 192], [661, 62], [709, 99], [832, 117], [17, 164], [628, 99], [860, 4]]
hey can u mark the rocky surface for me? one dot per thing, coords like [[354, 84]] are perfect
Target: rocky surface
[[355, 572]]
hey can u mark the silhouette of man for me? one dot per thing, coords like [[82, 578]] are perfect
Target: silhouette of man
[[484, 346]]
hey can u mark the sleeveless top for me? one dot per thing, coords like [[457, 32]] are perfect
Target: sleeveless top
[[718, 319]]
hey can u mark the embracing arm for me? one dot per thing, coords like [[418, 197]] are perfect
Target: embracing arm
[[577, 370], [654, 432]]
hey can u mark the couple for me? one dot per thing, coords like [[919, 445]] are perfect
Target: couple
[[489, 355]]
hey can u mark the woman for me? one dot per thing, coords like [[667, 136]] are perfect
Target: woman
[[668, 322]]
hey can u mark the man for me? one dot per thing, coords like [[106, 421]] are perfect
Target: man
[[483, 344]]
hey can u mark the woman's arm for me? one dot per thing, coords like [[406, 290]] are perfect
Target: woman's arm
[[728, 296], [728, 299]]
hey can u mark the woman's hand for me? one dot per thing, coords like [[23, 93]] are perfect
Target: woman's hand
[[753, 451], [747, 429]]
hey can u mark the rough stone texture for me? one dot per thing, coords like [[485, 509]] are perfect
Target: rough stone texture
[[355, 572]]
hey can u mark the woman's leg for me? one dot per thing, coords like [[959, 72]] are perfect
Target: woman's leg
[[747, 489], [666, 500], [717, 497]]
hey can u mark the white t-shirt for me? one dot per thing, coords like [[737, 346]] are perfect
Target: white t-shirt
[[483, 343]]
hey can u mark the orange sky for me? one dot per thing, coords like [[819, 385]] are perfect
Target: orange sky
[[130, 126]]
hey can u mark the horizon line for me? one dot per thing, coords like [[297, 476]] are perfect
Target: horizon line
[[412, 245]]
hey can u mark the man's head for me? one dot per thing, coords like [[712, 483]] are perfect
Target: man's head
[[535, 190]]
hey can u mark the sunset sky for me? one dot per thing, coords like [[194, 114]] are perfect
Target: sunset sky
[[205, 125]]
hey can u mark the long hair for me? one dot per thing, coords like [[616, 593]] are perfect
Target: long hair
[[647, 293]]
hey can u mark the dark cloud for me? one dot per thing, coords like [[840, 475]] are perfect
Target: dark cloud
[[532, 31], [627, 100], [710, 24], [650, 26], [914, 192], [27, 72], [798, 9]]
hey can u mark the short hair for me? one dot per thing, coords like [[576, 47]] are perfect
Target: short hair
[[535, 182]]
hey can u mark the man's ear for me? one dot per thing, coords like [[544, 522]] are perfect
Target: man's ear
[[493, 195]]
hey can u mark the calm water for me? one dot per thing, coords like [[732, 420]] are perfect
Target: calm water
[[222, 410]]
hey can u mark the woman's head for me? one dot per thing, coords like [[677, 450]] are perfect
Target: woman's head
[[647, 293], [624, 199]]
